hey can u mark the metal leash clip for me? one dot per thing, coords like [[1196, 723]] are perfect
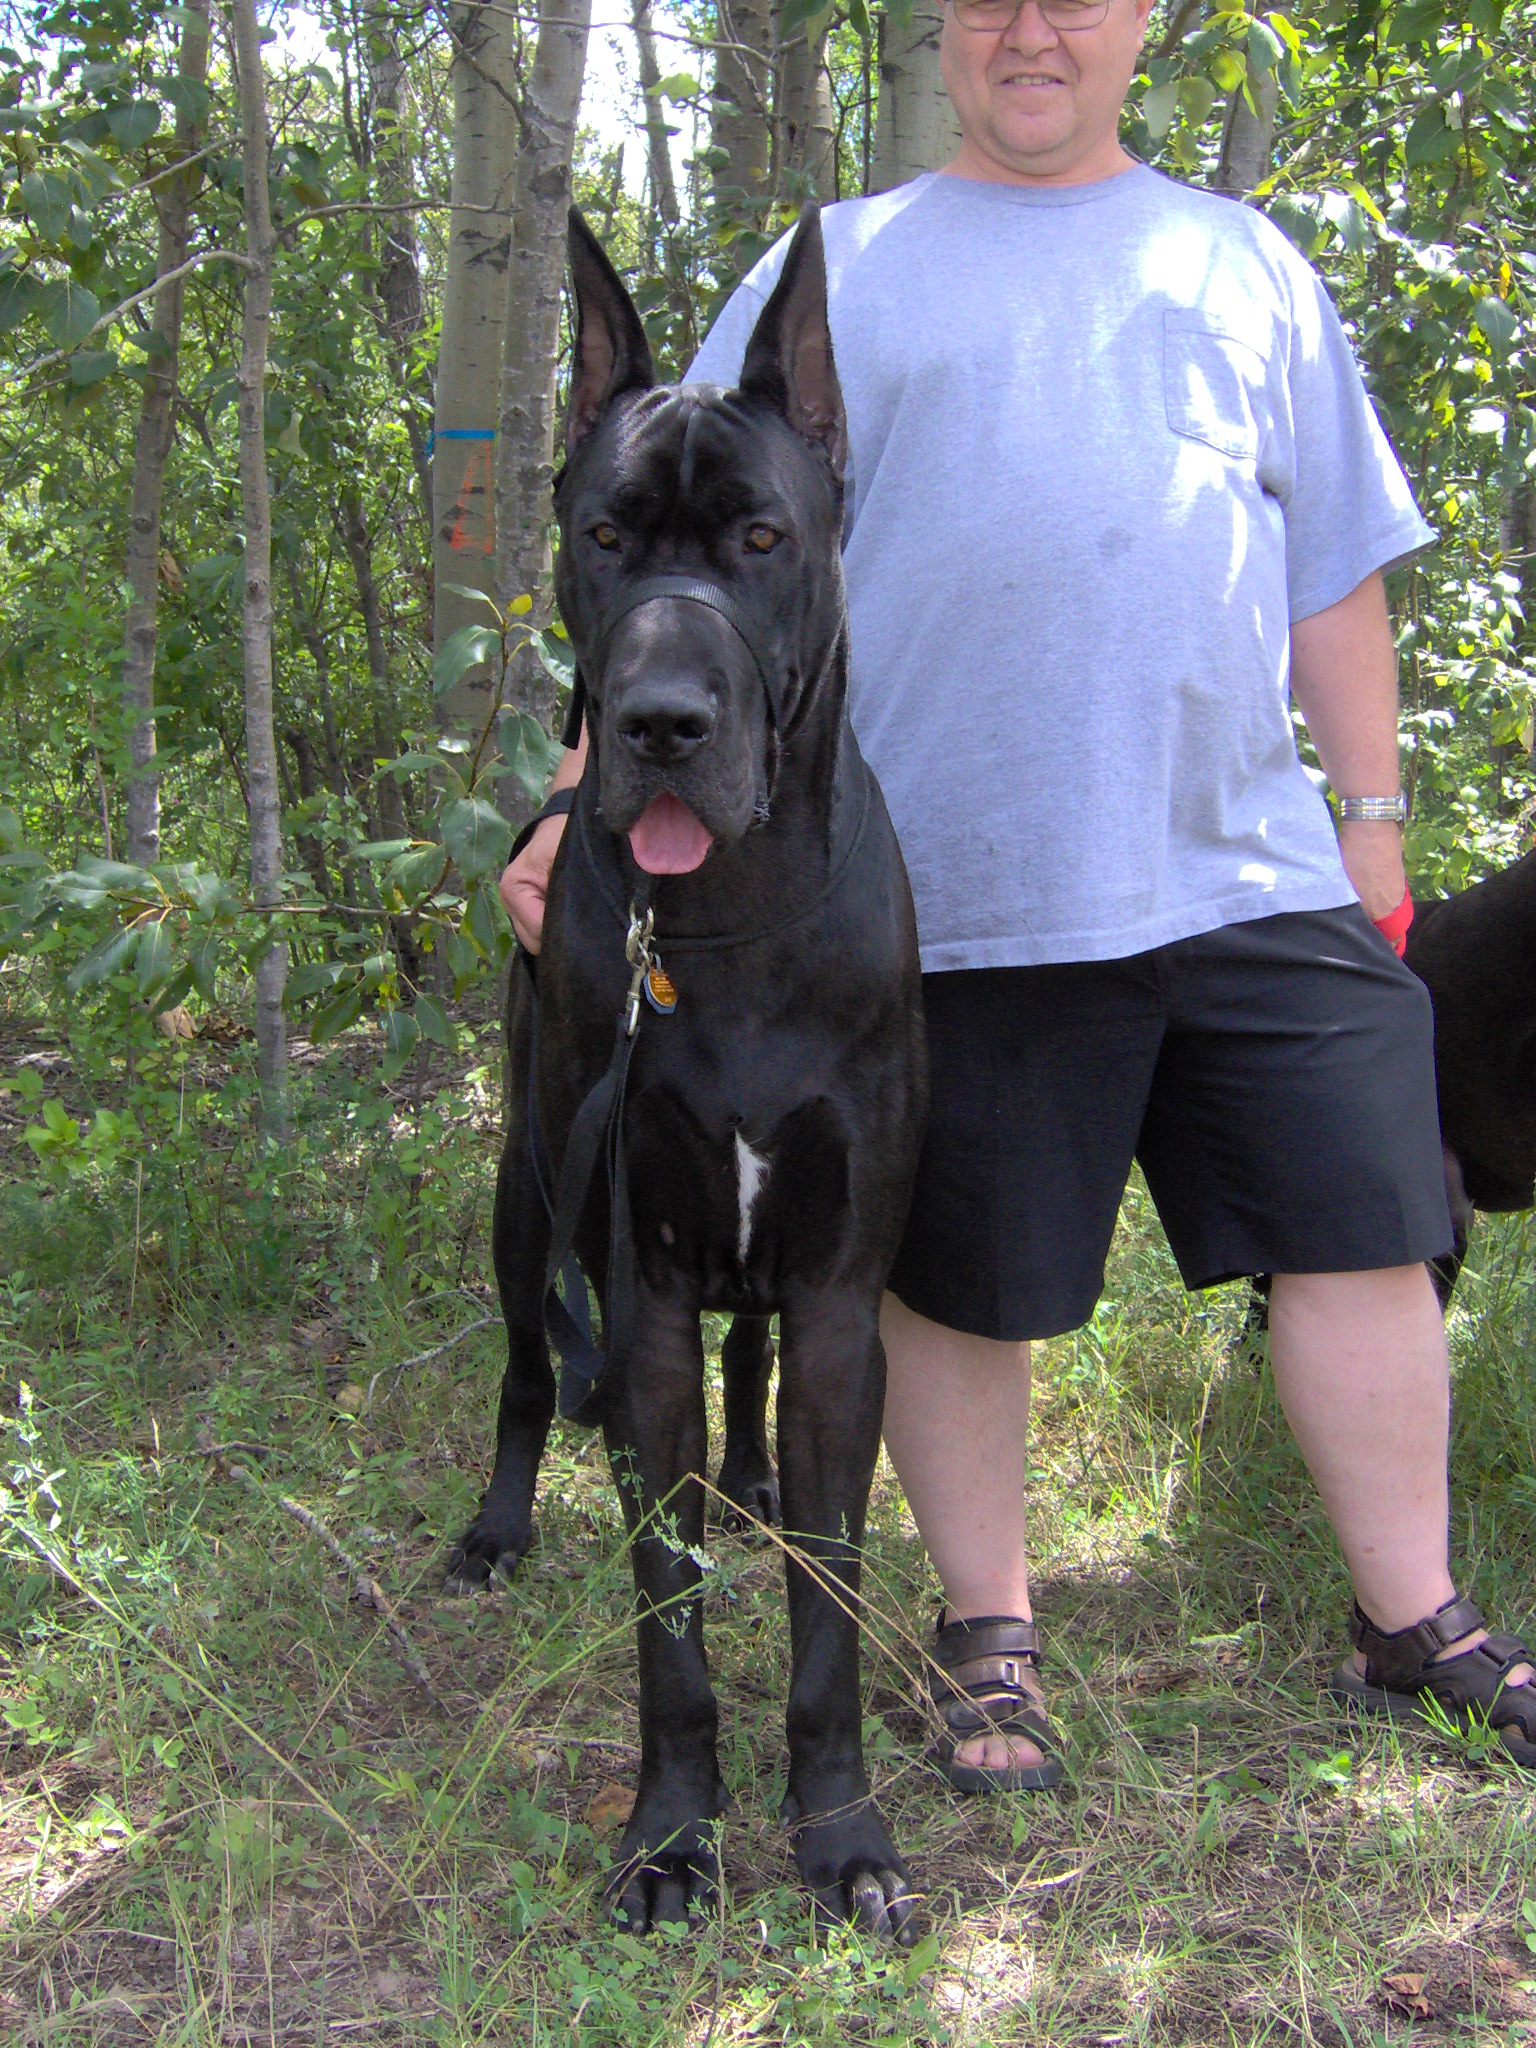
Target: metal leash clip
[[637, 951], [650, 978]]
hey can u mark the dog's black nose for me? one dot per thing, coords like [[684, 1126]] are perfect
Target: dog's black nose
[[666, 721]]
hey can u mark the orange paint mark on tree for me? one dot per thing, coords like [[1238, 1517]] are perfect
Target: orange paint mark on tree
[[474, 510]]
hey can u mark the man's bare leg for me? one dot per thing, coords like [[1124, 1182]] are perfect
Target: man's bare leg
[[956, 1427], [1360, 1366]]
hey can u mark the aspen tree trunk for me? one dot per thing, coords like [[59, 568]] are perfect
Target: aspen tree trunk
[[1248, 137], [658, 151], [531, 339], [915, 126], [173, 200], [263, 794], [398, 282], [741, 118], [807, 127], [468, 384]]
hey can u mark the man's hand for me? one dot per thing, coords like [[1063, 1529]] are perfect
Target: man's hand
[[525, 884], [1373, 860]]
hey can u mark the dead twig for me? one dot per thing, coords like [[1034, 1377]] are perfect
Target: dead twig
[[421, 1358], [366, 1590]]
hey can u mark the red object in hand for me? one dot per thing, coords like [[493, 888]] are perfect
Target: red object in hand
[[1394, 926]]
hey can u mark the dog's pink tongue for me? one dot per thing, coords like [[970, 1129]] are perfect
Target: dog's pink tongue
[[667, 839]]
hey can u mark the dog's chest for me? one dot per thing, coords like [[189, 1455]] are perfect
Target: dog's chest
[[739, 1211]]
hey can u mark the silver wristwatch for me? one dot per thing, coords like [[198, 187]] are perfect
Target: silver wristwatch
[[1371, 809]]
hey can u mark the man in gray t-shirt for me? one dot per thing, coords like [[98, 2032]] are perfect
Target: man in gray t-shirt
[[1116, 496]]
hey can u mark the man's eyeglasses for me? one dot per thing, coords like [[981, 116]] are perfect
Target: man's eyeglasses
[[1059, 14]]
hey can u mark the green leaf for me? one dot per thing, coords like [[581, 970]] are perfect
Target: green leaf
[[432, 1019], [1428, 139], [401, 1031], [190, 97], [89, 365], [1196, 97], [487, 918], [1414, 24], [477, 837], [794, 13], [478, 596], [48, 199], [417, 870], [528, 751], [69, 311], [19, 291], [469, 648], [341, 1011], [1159, 108], [153, 959], [858, 19], [311, 977], [1264, 47], [133, 124], [682, 85], [382, 849], [205, 964], [921, 1961], [115, 874], [1497, 325], [114, 952], [558, 658]]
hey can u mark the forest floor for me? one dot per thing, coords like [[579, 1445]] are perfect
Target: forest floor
[[230, 1814]]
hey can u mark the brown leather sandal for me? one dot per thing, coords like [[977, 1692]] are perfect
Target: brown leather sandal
[[1401, 1675], [980, 1689]]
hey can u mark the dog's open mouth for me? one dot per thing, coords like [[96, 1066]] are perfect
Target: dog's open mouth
[[667, 839]]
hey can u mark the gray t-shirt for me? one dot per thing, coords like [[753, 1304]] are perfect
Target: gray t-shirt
[[1106, 441]]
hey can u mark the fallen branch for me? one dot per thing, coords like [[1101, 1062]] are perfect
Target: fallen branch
[[366, 1590], [421, 1358]]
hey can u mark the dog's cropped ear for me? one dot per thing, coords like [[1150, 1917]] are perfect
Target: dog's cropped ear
[[789, 358], [612, 354]]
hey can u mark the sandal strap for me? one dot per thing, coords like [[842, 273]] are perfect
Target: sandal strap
[[1478, 1679], [1401, 1660], [981, 1683]]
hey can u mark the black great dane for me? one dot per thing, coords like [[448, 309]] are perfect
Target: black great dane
[[726, 1056]]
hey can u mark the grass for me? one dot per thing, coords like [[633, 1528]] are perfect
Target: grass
[[228, 1814]]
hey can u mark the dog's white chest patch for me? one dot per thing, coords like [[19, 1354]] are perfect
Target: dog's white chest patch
[[751, 1173]]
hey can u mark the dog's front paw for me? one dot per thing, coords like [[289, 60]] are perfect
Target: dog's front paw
[[667, 1869], [849, 1865], [487, 1550]]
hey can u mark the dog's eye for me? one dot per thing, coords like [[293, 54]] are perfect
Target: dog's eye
[[762, 540], [606, 536]]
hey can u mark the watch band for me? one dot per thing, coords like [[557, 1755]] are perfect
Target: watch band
[[1373, 809]]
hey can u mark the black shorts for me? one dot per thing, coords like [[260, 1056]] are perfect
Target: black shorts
[[1275, 1080]]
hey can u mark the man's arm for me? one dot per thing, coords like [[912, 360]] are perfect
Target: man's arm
[[1344, 679], [525, 882]]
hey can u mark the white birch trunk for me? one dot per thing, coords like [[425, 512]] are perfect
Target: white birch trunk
[[531, 339], [741, 122], [915, 125], [484, 78], [152, 450], [1247, 138], [807, 126], [264, 796]]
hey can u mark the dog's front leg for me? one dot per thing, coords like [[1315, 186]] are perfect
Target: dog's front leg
[[831, 1394], [657, 1443]]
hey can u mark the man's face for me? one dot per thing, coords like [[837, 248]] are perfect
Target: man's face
[[1038, 101]]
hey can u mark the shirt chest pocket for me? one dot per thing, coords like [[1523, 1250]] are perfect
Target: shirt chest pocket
[[1214, 385]]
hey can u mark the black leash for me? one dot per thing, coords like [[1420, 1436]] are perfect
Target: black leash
[[590, 1369]]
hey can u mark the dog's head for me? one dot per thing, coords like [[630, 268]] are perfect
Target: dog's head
[[699, 574]]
